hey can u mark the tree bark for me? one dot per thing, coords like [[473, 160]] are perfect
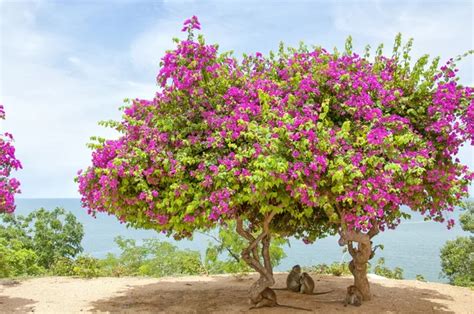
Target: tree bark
[[358, 267], [360, 257], [251, 257]]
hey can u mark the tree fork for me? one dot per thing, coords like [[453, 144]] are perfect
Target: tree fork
[[251, 257]]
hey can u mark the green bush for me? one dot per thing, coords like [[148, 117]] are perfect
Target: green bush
[[420, 278], [63, 266], [51, 235], [335, 269], [166, 260], [111, 266], [16, 260], [86, 267], [153, 258], [467, 218], [381, 270], [457, 256], [457, 261]]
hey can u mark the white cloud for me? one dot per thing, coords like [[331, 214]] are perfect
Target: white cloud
[[53, 108], [444, 29]]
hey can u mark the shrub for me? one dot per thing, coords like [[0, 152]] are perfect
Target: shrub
[[86, 267], [63, 266], [420, 278], [457, 261], [153, 258], [457, 256], [335, 269], [16, 260], [381, 270], [50, 234]]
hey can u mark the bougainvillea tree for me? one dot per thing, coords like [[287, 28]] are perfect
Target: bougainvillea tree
[[8, 186], [394, 131], [302, 142]]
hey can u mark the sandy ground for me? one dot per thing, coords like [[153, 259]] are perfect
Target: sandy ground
[[221, 294]]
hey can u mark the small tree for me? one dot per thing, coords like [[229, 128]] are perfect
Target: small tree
[[8, 162], [302, 142], [457, 256], [49, 234]]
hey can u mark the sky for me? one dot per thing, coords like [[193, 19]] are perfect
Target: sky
[[65, 65]]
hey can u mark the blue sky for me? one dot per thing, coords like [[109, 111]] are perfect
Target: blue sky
[[64, 65]]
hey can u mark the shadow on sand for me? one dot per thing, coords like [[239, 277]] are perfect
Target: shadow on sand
[[229, 295], [15, 305]]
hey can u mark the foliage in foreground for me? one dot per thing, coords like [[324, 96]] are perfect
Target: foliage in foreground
[[30, 245], [457, 256]]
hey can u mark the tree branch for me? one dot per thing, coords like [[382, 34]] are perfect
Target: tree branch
[[374, 230], [247, 235], [235, 256], [266, 254], [266, 269]]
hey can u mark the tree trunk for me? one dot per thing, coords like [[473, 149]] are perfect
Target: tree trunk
[[358, 268], [360, 257], [251, 257]]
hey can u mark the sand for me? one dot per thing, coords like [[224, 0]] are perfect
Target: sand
[[221, 294]]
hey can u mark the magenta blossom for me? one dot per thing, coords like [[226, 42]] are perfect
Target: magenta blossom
[[190, 24], [8, 162], [377, 135]]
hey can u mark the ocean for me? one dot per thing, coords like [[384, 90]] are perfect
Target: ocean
[[414, 245]]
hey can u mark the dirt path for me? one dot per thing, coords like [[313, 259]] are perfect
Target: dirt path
[[220, 294]]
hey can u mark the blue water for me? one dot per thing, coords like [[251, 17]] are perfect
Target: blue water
[[413, 246]]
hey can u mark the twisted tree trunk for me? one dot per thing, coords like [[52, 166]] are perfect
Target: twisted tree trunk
[[251, 256], [358, 267], [360, 257]]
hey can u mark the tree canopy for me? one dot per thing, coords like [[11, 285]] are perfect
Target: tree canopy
[[308, 134]]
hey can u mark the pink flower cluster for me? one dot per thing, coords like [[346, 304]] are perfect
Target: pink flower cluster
[[8, 162], [191, 24]]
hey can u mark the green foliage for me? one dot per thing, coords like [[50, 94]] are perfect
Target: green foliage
[[335, 269], [30, 245], [457, 261], [86, 267], [17, 260], [467, 219], [62, 266], [381, 270], [229, 245], [420, 278], [49, 234], [153, 258], [457, 256]]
